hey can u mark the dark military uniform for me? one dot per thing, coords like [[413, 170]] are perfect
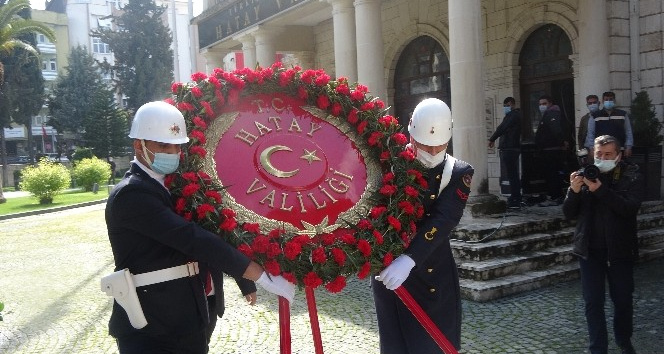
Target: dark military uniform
[[147, 235], [434, 282]]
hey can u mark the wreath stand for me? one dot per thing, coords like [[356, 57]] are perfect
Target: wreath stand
[[402, 293]]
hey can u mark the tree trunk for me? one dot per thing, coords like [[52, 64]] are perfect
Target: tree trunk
[[3, 160]]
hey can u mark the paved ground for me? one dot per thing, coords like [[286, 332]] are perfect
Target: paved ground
[[51, 265]]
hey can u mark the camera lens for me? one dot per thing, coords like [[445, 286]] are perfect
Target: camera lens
[[591, 172]]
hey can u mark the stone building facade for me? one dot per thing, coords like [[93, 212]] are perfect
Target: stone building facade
[[470, 53]]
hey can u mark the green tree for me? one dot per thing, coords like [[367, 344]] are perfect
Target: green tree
[[106, 126], [141, 44], [645, 125], [70, 102], [16, 30]]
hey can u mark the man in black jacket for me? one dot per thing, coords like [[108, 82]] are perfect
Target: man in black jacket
[[509, 132], [552, 143], [168, 256], [605, 240]]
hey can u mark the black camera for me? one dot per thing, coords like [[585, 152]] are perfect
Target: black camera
[[591, 172]]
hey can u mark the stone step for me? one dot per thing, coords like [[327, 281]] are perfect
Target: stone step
[[515, 264], [650, 237], [469, 251], [651, 251], [509, 225], [482, 291], [650, 220]]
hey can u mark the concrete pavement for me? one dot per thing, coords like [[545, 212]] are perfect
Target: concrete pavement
[[50, 267]]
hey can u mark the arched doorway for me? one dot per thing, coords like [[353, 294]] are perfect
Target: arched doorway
[[546, 69], [423, 71]]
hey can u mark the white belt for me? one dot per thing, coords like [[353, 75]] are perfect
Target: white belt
[[158, 276]]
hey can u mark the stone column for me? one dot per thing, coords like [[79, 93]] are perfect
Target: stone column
[[265, 46], [370, 66], [466, 74], [345, 48], [248, 50], [214, 59], [593, 51]]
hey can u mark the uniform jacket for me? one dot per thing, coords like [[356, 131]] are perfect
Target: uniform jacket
[[434, 282], [146, 235], [608, 213], [616, 124], [509, 131], [550, 135]]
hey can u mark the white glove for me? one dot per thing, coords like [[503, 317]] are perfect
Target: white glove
[[277, 285], [397, 272]]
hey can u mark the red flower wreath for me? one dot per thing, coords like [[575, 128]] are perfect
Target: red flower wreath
[[324, 259]]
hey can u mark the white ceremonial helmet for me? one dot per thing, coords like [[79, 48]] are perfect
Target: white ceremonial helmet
[[159, 121], [431, 123]]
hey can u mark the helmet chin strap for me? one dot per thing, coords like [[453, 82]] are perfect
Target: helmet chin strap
[[145, 153]]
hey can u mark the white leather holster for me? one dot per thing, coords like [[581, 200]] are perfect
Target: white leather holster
[[121, 286]]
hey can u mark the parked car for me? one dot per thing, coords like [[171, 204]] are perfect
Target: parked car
[[57, 157]]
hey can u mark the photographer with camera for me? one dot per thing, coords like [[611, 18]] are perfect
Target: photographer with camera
[[605, 199]]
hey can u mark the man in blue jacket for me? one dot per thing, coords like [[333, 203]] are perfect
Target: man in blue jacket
[[427, 269], [605, 240], [165, 253]]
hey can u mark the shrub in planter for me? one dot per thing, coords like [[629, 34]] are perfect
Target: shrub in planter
[[87, 172], [45, 180], [645, 125]]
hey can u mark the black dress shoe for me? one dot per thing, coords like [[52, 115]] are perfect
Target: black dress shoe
[[628, 349]]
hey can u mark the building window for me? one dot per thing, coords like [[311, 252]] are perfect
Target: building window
[[41, 38], [100, 47], [53, 66]]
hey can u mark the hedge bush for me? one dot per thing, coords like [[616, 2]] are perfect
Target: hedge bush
[[87, 172], [45, 180]]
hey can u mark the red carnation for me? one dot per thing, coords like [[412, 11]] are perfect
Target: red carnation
[[336, 109], [339, 256], [357, 95], [407, 155], [377, 211], [187, 216], [379, 237], [199, 122], [254, 228], [228, 213], [272, 267], [302, 93], [348, 239], [364, 247], [169, 179], [367, 106], [260, 244], [387, 259], [420, 211], [364, 270], [246, 250], [208, 108], [180, 204], [394, 222], [205, 177], [308, 76], [388, 121], [220, 98], [185, 106], [292, 250], [322, 80], [197, 150], [229, 224], [273, 250], [362, 126], [400, 138], [312, 280], [214, 81], [190, 189], [374, 138], [318, 255], [214, 195], [190, 176], [343, 89], [335, 286], [388, 189], [203, 209], [276, 233], [411, 191], [388, 177], [379, 104], [352, 116], [323, 102], [407, 207], [196, 91], [364, 224], [198, 76], [327, 239], [175, 86]]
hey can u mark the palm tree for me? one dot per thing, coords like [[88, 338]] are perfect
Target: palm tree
[[12, 27]]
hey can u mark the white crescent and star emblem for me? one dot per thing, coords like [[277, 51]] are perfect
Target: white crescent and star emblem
[[265, 161]]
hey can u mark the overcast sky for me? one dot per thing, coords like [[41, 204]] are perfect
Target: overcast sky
[[40, 5]]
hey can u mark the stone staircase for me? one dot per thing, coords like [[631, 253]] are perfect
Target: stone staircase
[[529, 249]]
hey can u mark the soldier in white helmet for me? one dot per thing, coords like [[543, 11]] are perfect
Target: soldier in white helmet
[[426, 268], [161, 304]]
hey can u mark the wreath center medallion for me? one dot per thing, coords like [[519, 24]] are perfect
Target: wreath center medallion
[[283, 164]]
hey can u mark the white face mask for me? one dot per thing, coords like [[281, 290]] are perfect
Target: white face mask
[[430, 161], [606, 165]]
